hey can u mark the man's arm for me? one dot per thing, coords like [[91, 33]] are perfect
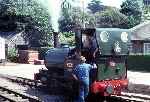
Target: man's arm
[[74, 76], [74, 72], [94, 54], [93, 66]]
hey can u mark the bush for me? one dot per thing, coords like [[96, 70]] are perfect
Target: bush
[[139, 62], [12, 55], [68, 38]]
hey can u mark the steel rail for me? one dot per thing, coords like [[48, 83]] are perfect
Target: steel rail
[[14, 96], [21, 80], [133, 97]]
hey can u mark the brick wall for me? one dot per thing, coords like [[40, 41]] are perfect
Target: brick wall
[[27, 56]]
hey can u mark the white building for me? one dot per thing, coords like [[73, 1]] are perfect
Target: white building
[[2, 49]]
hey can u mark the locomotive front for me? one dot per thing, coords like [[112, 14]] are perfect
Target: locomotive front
[[111, 75]]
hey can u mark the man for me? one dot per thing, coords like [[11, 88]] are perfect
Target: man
[[93, 48], [81, 73], [89, 43]]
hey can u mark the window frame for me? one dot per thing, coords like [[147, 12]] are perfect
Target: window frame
[[145, 49]]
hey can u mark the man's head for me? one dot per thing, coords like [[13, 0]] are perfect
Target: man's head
[[82, 59]]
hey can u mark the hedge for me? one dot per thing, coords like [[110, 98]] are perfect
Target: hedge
[[139, 63]]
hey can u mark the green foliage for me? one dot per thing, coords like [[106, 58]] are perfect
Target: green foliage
[[29, 16], [111, 17], [12, 55], [74, 18], [67, 38], [78, 17], [67, 34], [71, 18], [66, 24], [38, 27], [65, 21], [133, 10], [146, 13], [95, 6], [6, 16], [138, 62]]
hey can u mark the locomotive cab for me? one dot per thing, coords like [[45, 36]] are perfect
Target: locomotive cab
[[85, 39]]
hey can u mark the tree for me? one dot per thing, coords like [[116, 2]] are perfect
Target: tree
[[39, 22], [95, 6], [7, 16], [75, 18], [70, 19], [146, 13], [66, 23], [31, 17], [133, 10], [111, 18]]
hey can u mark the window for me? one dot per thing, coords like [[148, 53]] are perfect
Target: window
[[130, 46], [146, 48], [146, 2], [85, 41]]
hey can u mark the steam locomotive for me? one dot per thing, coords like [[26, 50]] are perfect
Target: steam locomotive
[[110, 76]]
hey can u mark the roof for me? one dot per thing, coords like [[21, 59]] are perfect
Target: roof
[[7, 35], [141, 31], [13, 37], [112, 29], [1, 38]]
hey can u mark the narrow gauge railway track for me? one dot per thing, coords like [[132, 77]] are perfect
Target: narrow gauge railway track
[[132, 97], [22, 81], [8, 95], [33, 83], [39, 86], [126, 97]]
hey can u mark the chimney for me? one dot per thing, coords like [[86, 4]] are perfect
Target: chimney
[[56, 40]]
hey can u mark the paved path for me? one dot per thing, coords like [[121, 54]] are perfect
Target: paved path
[[22, 70], [139, 77]]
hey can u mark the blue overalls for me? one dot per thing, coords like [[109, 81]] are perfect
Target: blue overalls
[[82, 73], [92, 50]]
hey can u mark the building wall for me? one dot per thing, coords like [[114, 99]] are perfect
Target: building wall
[[140, 47], [146, 2], [141, 38], [2, 49], [137, 47]]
